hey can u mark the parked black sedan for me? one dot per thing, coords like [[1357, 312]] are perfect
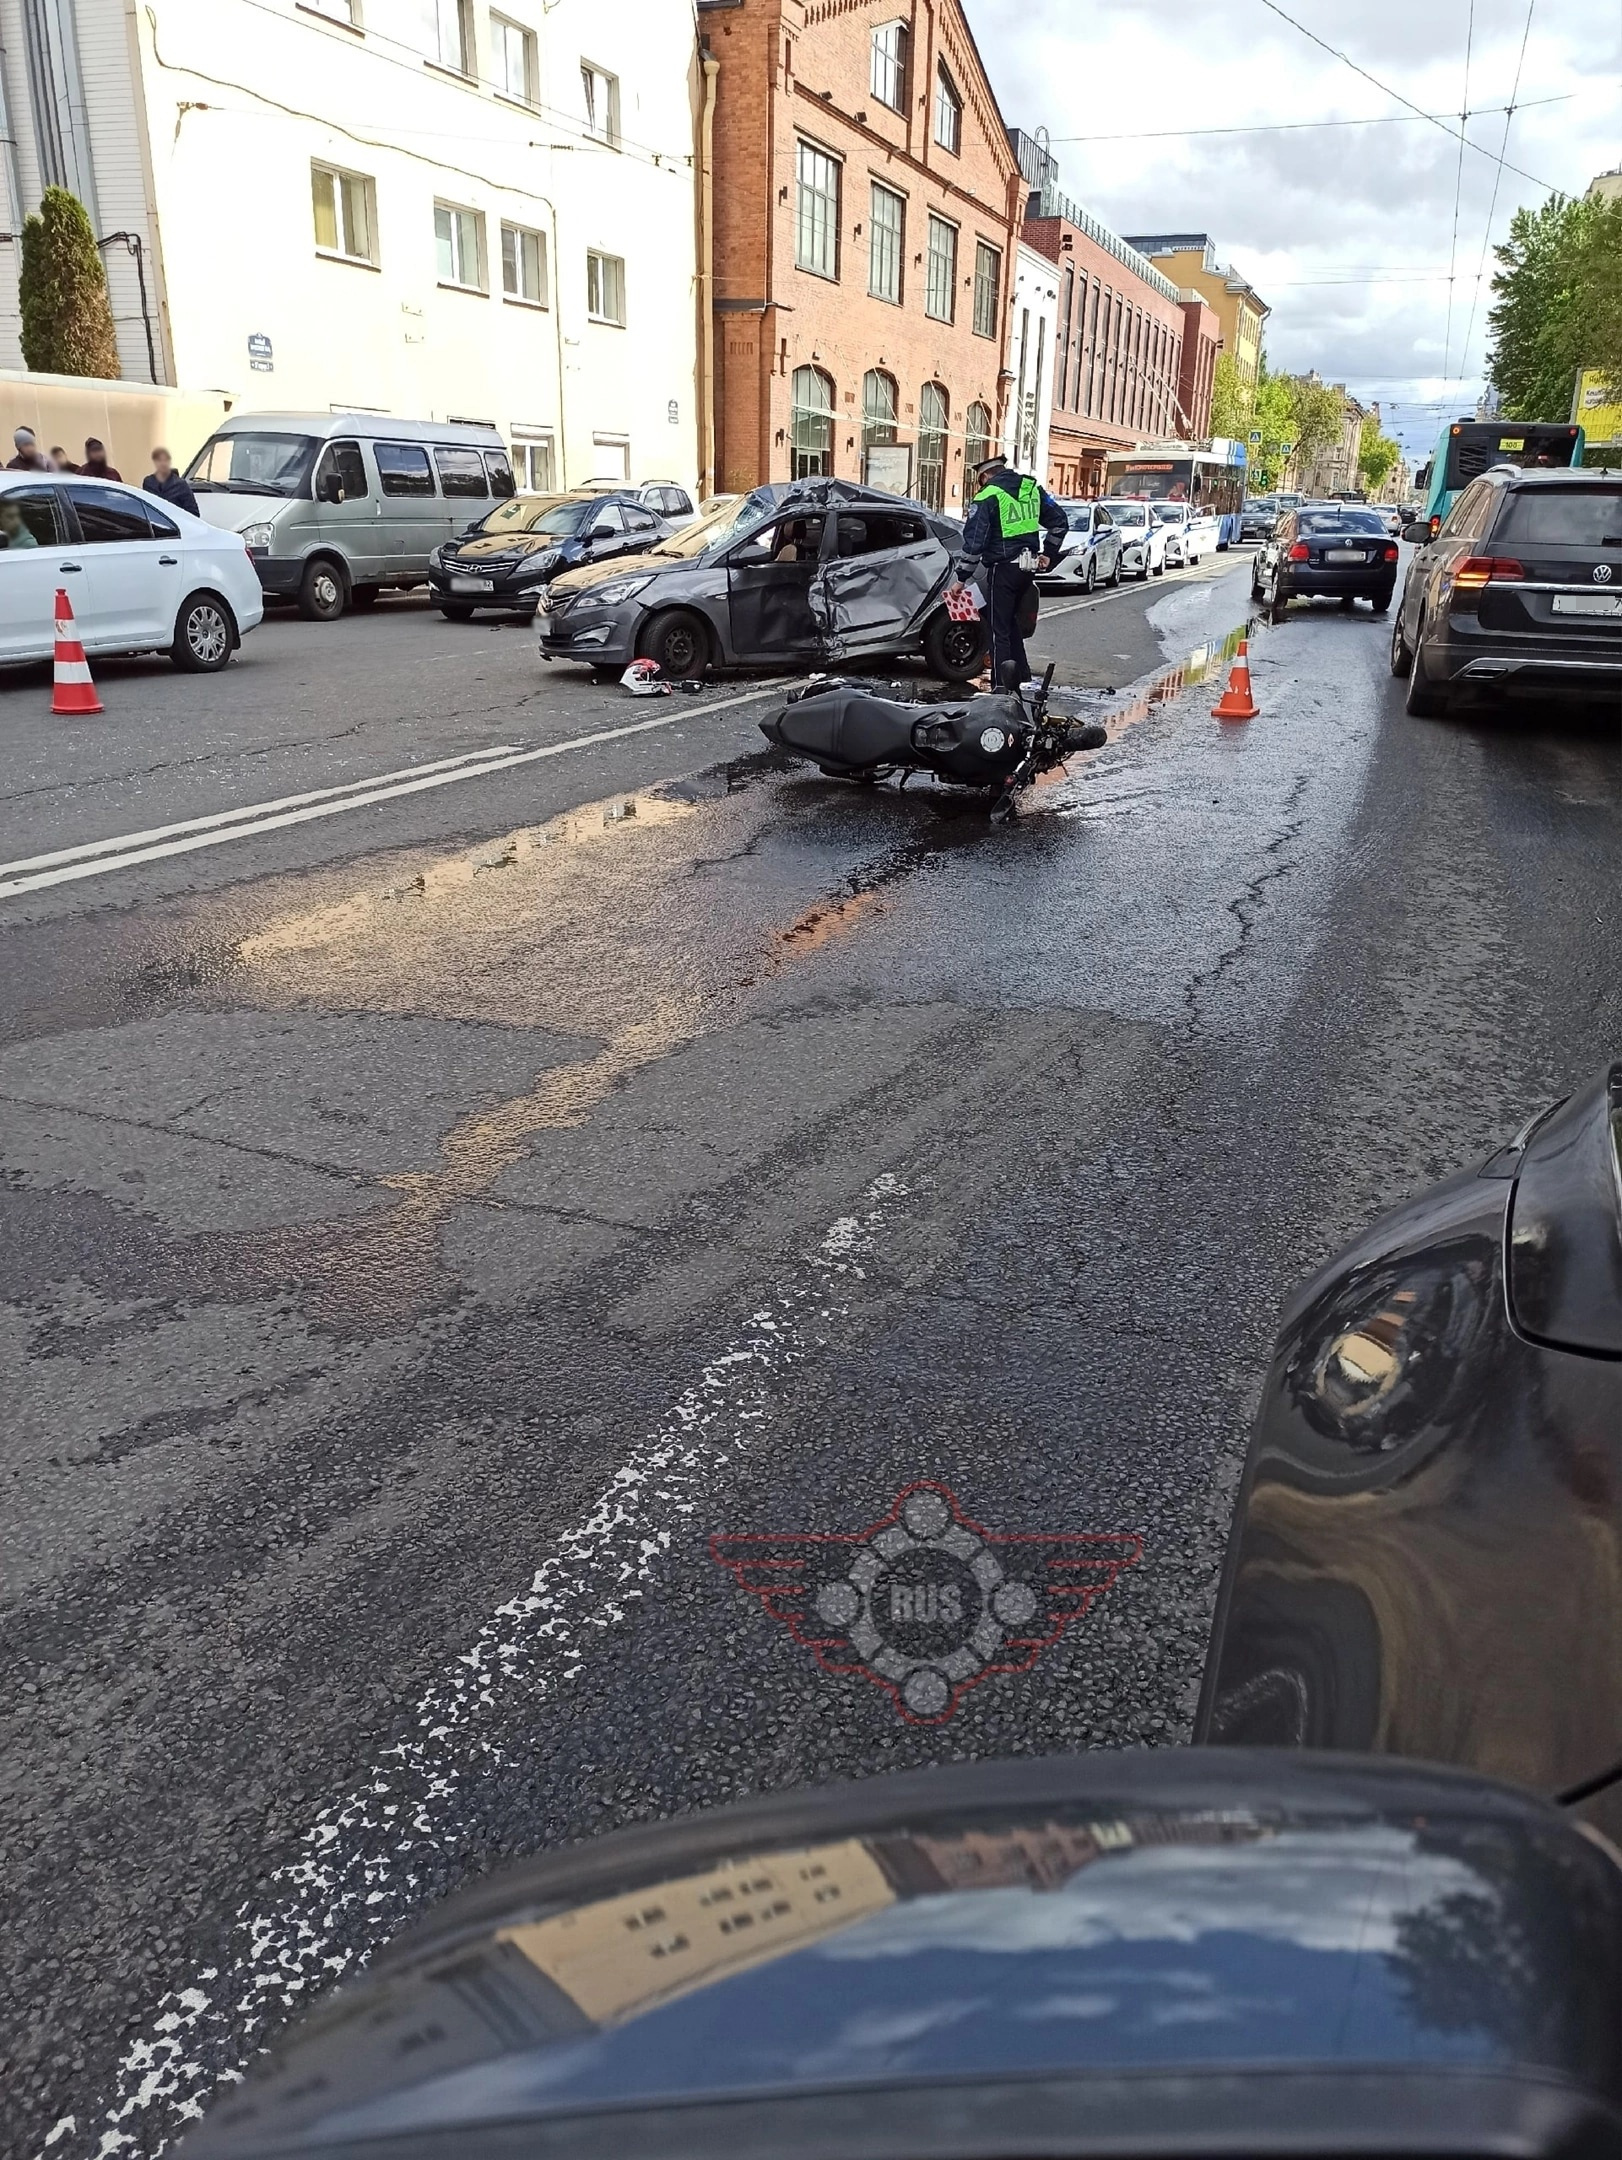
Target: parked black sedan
[[1174, 1953], [1427, 1553], [1331, 550], [503, 562], [1519, 595], [793, 576]]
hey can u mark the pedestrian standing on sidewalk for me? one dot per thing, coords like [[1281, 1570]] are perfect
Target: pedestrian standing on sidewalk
[[1014, 529], [30, 457], [95, 466], [165, 481]]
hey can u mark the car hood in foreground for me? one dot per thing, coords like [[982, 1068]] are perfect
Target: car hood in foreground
[[895, 1966], [605, 573]]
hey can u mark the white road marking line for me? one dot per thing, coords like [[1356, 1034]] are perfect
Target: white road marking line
[[352, 1885], [388, 788], [124, 841]]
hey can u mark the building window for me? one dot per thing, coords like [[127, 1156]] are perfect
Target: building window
[[605, 288], [611, 455], [345, 207], [1067, 294], [940, 269], [1092, 348], [811, 424], [933, 412], [512, 51], [878, 412], [987, 288], [977, 435], [453, 45], [536, 460], [459, 237], [889, 73], [816, 215], [602, 92], [523, 265], [948, 113], [886, 243]]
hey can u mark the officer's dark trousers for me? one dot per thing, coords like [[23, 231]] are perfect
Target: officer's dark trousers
[[1009, 589]]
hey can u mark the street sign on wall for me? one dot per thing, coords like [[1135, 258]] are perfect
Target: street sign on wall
[[261, 354]]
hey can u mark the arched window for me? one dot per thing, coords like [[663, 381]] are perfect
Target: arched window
[[977, 430], [879, 412], [933, 412], [811, 424]]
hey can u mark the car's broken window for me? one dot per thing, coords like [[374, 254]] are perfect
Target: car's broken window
[[874, 530]]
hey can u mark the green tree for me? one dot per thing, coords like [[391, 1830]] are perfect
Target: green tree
[[67, 319], [1557, 305], [1376, 454], [1273, 419], [1232, 399], [1317, 411]]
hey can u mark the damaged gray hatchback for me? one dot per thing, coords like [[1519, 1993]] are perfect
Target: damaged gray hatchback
[[797, 574]]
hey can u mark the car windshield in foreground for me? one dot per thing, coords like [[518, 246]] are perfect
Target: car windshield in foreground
[[1340, 521], [533, 513], [1563, 517], [253, 464], [711, 528]]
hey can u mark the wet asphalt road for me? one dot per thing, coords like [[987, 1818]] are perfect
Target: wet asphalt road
[[425, 1226]]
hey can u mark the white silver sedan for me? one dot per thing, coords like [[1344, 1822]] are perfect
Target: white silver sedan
[[1143, 538], [142, 574]]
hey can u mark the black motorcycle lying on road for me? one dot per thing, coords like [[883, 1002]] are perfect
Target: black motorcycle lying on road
[[998, 741]]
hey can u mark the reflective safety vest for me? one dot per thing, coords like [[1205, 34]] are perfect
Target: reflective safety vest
[[1020, 516]]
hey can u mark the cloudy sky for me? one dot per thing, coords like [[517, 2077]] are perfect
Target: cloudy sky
[[1349, 232]]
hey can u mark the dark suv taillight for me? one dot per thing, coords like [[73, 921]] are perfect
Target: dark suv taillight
[[1478, 570]]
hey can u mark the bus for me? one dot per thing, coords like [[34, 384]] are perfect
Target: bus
[[1209, 477], [1469, 447]]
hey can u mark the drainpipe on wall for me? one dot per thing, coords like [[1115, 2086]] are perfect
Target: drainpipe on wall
[[706, 276]]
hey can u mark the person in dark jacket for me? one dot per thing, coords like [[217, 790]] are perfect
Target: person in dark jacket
[[1013, 530], [95, 466], [165, 481], [30, 457]]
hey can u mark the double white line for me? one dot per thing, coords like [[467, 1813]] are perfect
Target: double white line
[[98, 857]]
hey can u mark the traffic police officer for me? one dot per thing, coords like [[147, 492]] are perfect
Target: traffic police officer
[[1001, 534]]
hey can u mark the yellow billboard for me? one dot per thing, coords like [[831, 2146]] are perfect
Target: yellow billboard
[[1595, 409]]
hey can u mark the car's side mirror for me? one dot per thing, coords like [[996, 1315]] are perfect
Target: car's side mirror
[[1419, 534], [602, 532]]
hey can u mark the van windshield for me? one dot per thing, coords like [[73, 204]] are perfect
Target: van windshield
[[253, 464], [553, 514]]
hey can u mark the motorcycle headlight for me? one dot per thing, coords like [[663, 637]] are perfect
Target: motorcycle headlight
[[992, 739], [258, 535], [616, 590]]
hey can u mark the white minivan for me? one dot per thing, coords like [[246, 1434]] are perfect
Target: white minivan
[[142, 575], [335, 506]]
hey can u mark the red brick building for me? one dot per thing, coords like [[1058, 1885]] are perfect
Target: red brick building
[[866, 212], [1135, 355]]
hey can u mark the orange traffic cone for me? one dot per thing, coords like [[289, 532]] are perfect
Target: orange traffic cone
[[1236, 702], [74, 692]]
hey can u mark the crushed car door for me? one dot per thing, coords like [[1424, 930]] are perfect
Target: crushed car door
[[769, 579], [884, 569]]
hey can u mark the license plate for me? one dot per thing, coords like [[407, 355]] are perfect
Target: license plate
[[1345, 555], [473, 584], [1588, 603]]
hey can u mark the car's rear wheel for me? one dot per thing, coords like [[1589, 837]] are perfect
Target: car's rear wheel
[[678, 642], [455, 611], [1115, 572], [323, 593], [205, 635], [1381, 601], [1402, 653], [954, 651], [1424, 700]]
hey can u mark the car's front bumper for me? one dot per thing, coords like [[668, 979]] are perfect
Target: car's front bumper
[[602, 637], [505, 595], [280, 575]]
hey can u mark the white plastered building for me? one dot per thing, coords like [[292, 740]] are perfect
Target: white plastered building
[[1033, 333], [432, 208]]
